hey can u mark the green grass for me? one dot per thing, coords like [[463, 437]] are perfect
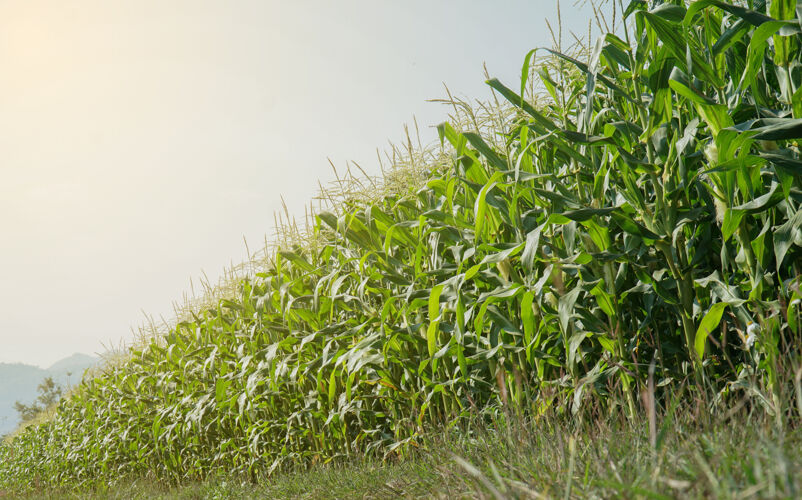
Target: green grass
[[633, 228], [744, 457]]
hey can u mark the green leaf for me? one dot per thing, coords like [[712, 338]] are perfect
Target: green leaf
[[434, 319], [221, 385], [634, 6], [473, 271], [332, 388], [732, 219], [796, 101], [566, 307], [785, 235], [581, 138], [528, 317], [329, 218], [480, 206], [604, 299], [782, 10], [790, 165], [584, 214], [463, 364], [753, 17], [608, 344], [573, 346], [486, 151], [525, 73], [670, 12], [531, 248], [599, 234], [446, 132], [400, 232], [497, 257], [629, 225], [709, 323], [717, 116], [679, 83], [777, 129], [671, 34], [297, 260], [758, 46], [585, 69], [763, 203], [510, 95]]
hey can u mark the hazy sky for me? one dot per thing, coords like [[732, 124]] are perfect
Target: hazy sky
[[141, 140]]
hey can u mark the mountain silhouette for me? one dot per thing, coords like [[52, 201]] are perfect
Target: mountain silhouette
[[18, 382]]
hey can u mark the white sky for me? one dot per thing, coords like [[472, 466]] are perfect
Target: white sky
[[141, 140]]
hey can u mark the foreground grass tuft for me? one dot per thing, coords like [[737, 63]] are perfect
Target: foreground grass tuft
[[742, 458]]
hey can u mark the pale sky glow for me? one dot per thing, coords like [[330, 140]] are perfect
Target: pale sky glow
[[141, 140]]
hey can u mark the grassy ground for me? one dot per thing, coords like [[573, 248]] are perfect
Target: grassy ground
[[737, 457]]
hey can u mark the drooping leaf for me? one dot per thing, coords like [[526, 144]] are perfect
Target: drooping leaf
[[786, 235], [709, 322]]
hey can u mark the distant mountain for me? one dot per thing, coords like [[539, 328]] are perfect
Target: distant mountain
[[72, 368], [18, 382]]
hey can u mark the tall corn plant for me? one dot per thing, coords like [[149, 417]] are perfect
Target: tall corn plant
[[645, 208], [703, 169]]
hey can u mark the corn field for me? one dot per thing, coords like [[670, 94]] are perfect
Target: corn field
[[637, 219]]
